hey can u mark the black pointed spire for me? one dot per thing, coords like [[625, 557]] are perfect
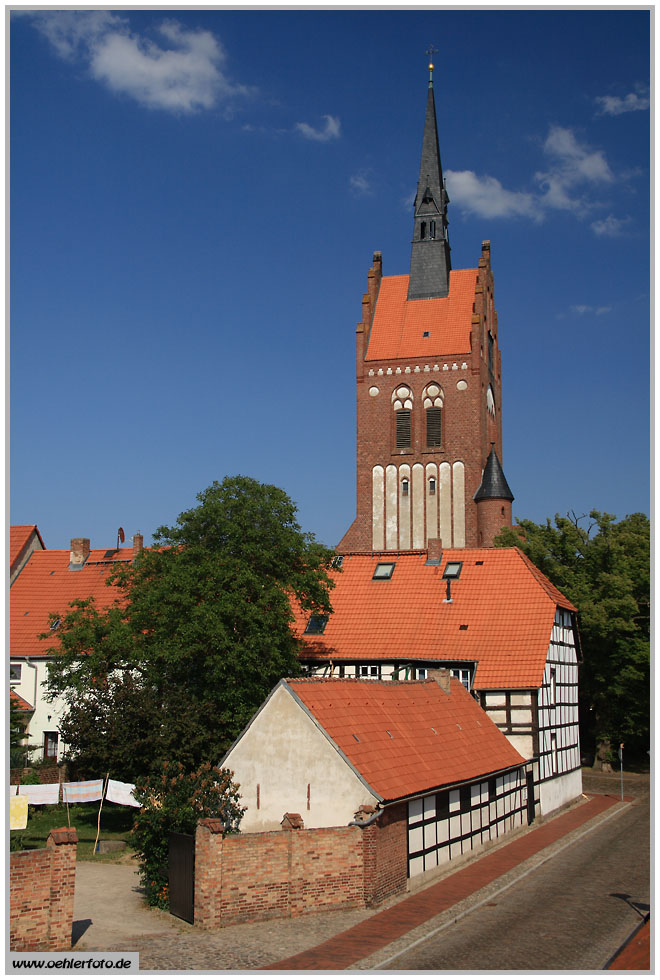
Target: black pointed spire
[[493, 482], [430, 261]]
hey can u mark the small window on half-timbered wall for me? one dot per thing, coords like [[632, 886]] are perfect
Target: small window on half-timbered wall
[[433, 400], [402, 403]]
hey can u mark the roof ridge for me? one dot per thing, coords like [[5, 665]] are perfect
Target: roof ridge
[[544, 581]]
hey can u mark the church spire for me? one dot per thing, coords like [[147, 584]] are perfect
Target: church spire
[[430, 260]]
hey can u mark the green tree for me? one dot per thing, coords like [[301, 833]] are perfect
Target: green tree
[[175, 800], [603, 567], [19, 750], [199, 636]]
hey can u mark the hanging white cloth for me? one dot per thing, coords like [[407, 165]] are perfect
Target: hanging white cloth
[[121, 793], [42, 794]]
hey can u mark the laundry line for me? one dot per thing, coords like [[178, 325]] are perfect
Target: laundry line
[[83, 791]]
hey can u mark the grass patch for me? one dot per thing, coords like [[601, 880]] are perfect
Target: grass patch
[[116, 824]]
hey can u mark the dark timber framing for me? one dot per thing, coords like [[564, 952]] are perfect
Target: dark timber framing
[[451, 822]]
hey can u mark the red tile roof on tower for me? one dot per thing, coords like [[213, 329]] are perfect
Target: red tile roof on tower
[[501, 614], [407, 737], [19, 535], [399, 324], [46, 586]]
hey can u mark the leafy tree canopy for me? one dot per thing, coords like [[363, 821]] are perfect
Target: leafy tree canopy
[[199, 637], [603, 567]]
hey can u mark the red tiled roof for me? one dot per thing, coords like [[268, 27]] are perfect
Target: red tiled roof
[[501, 615], [406, 738], [19, 535], [46, 586], [399, 324], [20, 702]]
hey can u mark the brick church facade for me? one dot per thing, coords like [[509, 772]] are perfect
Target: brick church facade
[[429, 391]]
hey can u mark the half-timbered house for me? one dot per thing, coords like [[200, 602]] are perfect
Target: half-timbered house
[[420, 758], [491, 617]]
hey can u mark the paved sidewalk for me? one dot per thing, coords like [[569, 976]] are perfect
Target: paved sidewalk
[[382, 928]]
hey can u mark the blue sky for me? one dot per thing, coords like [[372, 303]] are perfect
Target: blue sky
[[195, 200]]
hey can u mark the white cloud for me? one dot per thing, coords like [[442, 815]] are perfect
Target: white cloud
[[360, 184], [73, 32], [182, 73], [582, 308], [485, 196], [573, 170], [331, 130], [573, 167], [610, 226], [615, 105]]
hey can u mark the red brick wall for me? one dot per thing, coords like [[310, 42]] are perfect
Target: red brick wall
[[41, 891], [47, 774], [493, 516], [251, 877]]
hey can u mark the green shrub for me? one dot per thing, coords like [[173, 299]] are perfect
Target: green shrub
[[175, 801]]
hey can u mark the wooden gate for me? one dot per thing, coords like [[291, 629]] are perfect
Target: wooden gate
[[181, 869]]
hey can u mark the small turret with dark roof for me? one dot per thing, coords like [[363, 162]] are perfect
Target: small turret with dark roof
[[493, 483], [493, 500], [430, 261]]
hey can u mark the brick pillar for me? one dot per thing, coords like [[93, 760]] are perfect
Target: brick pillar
[[63, 844], [208, 873], [369, 864]]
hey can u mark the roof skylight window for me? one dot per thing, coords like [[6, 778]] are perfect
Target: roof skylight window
[[452, 569], [316, 624], [384, 570], [55, 624]]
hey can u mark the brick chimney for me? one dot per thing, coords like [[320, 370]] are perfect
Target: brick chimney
[[138, 544], [442, 676], [79, 552], [434, 549]]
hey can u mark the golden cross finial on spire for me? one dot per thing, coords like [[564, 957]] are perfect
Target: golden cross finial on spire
[[430, 52]]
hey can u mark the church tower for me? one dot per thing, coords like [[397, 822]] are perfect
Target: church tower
[[429, 424]]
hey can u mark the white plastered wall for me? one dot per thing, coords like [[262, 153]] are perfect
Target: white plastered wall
[[561, 790], [47, 714], [283, 752]]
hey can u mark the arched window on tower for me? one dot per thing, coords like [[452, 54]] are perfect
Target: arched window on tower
[[422, 230], [433, 401], [432, 229], [402, 403]]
